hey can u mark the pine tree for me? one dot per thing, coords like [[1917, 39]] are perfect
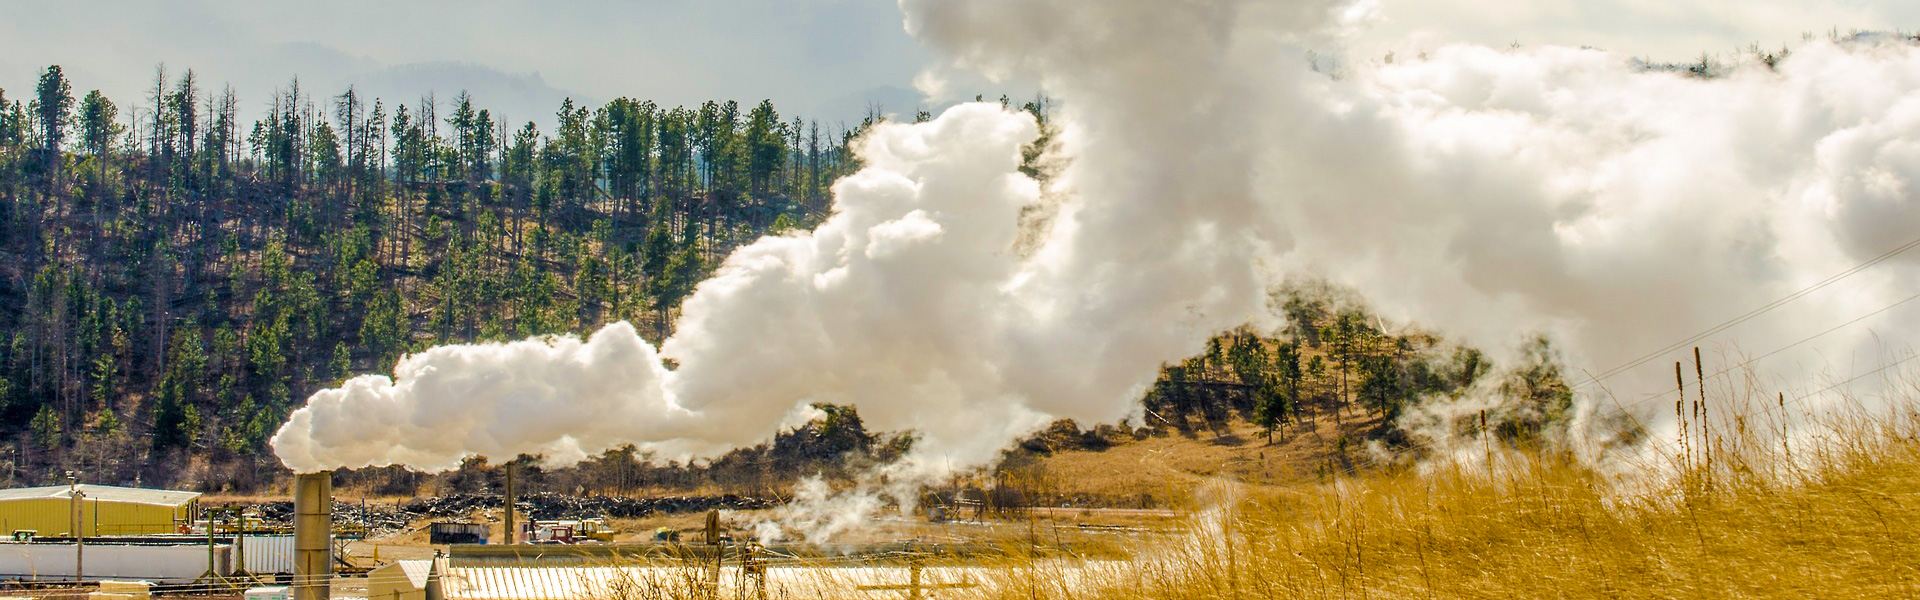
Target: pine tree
[[98, 124], [53, 102], [46, 428], [1281, 395], [314, 238], [766, 146]]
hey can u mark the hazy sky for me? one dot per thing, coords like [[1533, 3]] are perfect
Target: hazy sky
[[824, 58], [521, 58]]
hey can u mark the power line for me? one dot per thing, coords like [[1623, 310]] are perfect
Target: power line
[[1798, 400], [1818, 335], [1804, 340], [1858, 377], [1750, 315]]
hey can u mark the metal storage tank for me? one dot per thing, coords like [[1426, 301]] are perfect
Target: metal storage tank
[[104, 510]]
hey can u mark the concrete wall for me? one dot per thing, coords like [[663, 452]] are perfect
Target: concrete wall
[[160, 564]]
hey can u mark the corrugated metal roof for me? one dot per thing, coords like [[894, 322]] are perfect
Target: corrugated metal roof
[[415, 572], [691, 580], [104, 493], [516, 583]]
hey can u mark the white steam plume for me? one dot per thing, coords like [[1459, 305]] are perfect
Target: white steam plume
[[1489, 193], [904, 303]]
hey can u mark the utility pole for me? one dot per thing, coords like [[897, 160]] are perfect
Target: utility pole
[[913, 574], [213, 572], [509, 506], [719, 553], [79, 535], [240, 546]]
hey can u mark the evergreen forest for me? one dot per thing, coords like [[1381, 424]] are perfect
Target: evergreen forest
[[174, 281]]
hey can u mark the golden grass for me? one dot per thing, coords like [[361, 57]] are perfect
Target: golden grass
[[1159, 469], [1840, 520]]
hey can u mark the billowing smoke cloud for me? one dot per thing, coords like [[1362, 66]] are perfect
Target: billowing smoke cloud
[[1208, 149], [905, 303], [558, 397], [1489, 193]]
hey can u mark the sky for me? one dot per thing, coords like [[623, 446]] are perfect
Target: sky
[[1663, 30], [824, 59], [520, 58]]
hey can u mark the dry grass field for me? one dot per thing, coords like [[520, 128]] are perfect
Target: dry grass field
[[1164, 470], [1738, 517], [1840, 519]]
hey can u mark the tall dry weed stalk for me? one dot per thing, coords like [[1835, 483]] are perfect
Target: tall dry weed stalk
[[1754, 496], [1753, 499]]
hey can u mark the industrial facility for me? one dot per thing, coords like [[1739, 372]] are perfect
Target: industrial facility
[[96, 510], [87, 532], [185, 548]]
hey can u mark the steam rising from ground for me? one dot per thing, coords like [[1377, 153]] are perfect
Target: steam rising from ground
[[1487, 193], [1209, 149]]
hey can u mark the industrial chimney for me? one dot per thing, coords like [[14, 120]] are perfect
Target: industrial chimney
[[313, 536]]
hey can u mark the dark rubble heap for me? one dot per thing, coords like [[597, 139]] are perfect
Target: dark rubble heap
[[385, 518]]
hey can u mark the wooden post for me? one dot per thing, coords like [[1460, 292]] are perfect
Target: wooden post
[[79, 527], [511, 532], [713, 543], [913, 576], [713, 527]]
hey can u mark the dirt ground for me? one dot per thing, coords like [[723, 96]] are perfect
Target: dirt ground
[[1094, 498], [1084, 528]]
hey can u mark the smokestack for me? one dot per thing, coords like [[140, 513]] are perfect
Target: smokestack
[[313, 536]]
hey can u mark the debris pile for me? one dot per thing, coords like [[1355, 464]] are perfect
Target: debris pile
[[384, 518], [547, 506], [379, 519]]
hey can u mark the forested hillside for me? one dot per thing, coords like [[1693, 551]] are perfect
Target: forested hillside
[[173, 280]]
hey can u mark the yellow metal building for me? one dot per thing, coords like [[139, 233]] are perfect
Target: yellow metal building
[[104, 510]]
